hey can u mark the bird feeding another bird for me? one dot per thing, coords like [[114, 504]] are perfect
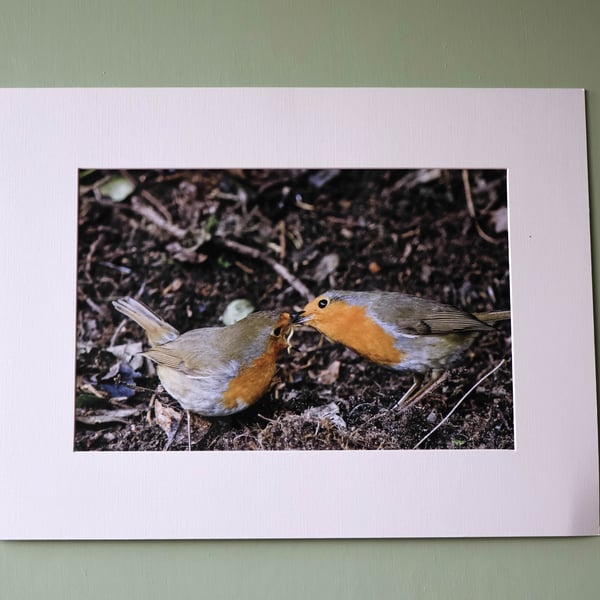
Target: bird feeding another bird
[[402, 332], [218, 371]]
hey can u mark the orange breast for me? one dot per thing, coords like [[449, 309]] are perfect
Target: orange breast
[[252, 381], [351, 326]]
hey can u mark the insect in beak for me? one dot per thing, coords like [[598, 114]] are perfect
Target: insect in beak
[[288, 338]]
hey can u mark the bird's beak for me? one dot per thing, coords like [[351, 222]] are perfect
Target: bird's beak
[[299, 318]]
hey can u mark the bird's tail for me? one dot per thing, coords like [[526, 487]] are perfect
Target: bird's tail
[[157, 330], [493, 316]]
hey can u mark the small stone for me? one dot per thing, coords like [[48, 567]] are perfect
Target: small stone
[[432, 416]]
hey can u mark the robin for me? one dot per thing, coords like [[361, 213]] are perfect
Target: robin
[[398, 331], [213, 371]]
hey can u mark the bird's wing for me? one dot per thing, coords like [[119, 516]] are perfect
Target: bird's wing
[[440, 323], [195, 353], [420, 316]]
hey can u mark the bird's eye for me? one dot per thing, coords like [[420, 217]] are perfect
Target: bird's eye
[[277, 331], [323, 303]]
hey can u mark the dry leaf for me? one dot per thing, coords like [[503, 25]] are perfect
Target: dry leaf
[[108, 416], [500, 220], [117, 188], [187, 255], [327, 265], [88, 388], [236, 311], [166, 418], [128, 353], [321, 178], [328, 412], [174, 286], [331, 374]]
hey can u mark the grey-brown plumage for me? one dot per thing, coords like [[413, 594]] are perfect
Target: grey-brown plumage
[[399, 331], [213, 371]]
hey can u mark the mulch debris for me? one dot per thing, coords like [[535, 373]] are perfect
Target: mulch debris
[[189, 242]]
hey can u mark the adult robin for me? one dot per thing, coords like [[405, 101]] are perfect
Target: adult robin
[[213, 371], [398, 331]]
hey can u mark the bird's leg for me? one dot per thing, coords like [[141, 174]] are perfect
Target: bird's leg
[[187, 412], [416, 393], [417, 381], [437, 378], [176, 429]]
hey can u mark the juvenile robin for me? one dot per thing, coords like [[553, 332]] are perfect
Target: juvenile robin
[[398, 331], [213, 371]]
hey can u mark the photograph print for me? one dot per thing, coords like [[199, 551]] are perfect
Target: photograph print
[[293, 309]]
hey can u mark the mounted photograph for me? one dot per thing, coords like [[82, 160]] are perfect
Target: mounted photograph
[[293, 309], [308, 313]]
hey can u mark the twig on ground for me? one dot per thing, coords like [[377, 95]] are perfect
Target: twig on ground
[[154, 217], [115, 335], [277, 267], [94, 306], [491, 372], [158, 205], [471, 209], [90, 255]]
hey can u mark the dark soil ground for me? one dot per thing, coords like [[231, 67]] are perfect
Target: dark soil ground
[[166, 238]]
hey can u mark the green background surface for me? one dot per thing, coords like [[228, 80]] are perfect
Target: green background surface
[[523, 43]]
